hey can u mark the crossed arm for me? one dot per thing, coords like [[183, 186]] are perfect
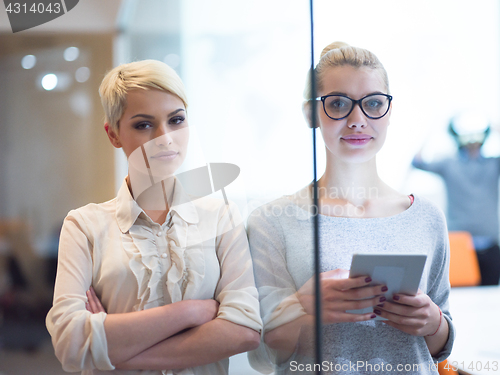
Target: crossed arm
[[179, 335]]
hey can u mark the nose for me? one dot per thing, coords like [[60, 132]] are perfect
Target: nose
[[356, 118], [163, 136]]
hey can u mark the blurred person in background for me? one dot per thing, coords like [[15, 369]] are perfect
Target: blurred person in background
[[471, 182]]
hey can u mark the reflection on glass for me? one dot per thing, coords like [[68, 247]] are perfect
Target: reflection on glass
[[172, 60], [49, 81], [28, 61], [82, 74], [71, 53]]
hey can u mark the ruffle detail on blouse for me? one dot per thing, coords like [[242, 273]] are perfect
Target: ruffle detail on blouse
[[187, 269], [145, 265]]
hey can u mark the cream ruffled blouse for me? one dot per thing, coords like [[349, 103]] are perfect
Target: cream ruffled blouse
[[136, 264]]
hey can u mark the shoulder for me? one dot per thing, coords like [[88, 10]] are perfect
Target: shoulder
[[214, 213], [428, 209], [274, 210], [210, 207], [277, 220], [492, 159], [427, 216], [93, 214]]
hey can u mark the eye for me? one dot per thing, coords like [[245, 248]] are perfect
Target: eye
[[142, 125], [373, 103], [338, 103], [177, 120]]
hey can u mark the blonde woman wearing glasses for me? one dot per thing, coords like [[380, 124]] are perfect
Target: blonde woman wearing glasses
[[358, 213]]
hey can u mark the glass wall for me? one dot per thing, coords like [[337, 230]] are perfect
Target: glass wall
[[245, 66]]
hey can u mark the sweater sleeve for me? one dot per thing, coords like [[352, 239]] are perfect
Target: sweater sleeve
[[78, 336], [277, 289]]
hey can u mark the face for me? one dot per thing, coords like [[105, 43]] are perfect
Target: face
[[153, 132], [356, 138]]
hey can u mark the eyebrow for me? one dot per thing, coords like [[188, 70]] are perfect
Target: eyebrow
[[152, 117], [337, 93], [343, 93]]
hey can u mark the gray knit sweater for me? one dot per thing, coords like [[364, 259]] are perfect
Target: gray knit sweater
[[280, 235]]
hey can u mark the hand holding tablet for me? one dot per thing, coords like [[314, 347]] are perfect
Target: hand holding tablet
[[401, 273]]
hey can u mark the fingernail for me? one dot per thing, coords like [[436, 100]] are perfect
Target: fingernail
[[385, 289], [396, 298], [378, 312], [382, 299], [368, 280], [373, 316], [381, 305]]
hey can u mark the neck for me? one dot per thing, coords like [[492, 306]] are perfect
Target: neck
[[355, 183], [156, 199]]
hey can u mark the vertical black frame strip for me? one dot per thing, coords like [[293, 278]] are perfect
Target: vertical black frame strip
[[317, 259]]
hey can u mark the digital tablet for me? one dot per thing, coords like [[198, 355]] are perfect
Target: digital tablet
[[400, 272]]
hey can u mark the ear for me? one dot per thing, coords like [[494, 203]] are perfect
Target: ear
[[112, 135], [389, 114], [307, 112]]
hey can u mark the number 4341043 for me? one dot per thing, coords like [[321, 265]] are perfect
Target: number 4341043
[[34, 8], [472, 366]]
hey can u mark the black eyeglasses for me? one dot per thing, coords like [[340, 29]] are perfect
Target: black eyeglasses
[[338, 107]]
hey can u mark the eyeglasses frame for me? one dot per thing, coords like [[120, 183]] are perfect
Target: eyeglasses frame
[[358, 102]]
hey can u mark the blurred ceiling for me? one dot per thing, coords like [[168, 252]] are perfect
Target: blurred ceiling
[[88, 16]]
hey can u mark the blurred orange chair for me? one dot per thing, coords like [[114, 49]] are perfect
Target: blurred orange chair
[[464, 267], [446, 369], [464, 271]]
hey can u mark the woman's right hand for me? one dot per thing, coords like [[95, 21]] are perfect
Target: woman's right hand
[[93, 305], [340, 293]]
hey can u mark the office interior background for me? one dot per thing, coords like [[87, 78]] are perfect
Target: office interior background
[[244, 65]]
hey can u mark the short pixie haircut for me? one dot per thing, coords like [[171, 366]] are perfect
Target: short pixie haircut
[[146, 75], [340, 54]]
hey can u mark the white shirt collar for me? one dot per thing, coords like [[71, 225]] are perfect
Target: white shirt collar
[[127, 209]]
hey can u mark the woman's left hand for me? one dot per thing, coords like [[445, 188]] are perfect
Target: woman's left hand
[[415, 315], [93, 305]]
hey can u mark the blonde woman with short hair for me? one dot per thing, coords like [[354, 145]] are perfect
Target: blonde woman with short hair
[[152, 281]]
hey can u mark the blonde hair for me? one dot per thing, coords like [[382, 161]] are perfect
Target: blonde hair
[[339, 54], [146, 75]]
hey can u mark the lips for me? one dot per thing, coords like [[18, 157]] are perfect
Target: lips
[[165, 155], [357, 139]]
